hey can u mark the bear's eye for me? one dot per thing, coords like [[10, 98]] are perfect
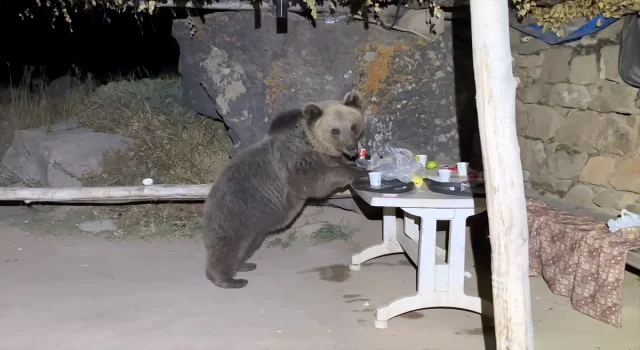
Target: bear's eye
[[335, 131], [353, 127]]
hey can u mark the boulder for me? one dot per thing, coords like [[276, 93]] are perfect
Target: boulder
[[566, 165], [562, 111], [522, 119], [581, 196], [599, 170], [579, 130], [60, 157], [550, 184], [614, 97], [527, 76], [245, 76], [616, 136], [534, 93], [532, 155], [556, 65], [609, 63], [570, 96], [529, 61], [584, 70], [627, 177], [615, 199], [543, 122]]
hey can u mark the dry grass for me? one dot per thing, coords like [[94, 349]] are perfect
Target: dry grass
[[27, 105], [171, 144], [151, 221]]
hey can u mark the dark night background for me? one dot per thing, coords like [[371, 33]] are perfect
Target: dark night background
[[121, 47]]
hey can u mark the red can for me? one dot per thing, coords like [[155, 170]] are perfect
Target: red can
[[362, 153]]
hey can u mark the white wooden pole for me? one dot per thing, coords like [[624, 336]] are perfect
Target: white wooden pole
[[123, 194], [506, 204]]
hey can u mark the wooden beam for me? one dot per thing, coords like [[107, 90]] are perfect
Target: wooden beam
[[506, 203], [549, 3], [113, 195], [226, 5], [295, 5]]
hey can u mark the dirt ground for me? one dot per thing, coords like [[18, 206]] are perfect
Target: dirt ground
[[71, 292]]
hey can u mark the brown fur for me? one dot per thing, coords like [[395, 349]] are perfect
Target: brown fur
[[264, 188]]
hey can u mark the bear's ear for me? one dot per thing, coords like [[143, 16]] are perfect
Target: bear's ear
[[311, 112], [353, 99]]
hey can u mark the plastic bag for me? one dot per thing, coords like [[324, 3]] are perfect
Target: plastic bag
[[393, 163]]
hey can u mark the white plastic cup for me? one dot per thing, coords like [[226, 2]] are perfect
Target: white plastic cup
[[422, 159], [444, 175], [375, 179], [463, 168]]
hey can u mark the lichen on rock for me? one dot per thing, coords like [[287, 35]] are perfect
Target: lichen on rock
[[227, 75]]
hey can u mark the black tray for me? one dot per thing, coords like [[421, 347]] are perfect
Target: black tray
[[471, 188], [387, 186]]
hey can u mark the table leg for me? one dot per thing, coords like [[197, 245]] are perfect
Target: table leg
[[389, 243], [438, 285], [411, 227], [412, 230]]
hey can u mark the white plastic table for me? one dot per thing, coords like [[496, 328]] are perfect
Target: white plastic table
[[438, 285]]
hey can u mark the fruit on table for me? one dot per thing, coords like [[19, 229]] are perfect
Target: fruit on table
[[432, 164], [418, 181]]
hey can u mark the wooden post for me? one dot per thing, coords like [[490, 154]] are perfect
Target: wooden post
[[121, 194], [506, 203]]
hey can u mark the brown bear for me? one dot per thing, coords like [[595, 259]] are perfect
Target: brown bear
[[264, 188]]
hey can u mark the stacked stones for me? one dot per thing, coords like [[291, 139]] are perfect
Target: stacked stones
[[578, 122]]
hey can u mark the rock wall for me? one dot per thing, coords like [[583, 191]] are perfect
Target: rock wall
[[245, 76], [578, 122]]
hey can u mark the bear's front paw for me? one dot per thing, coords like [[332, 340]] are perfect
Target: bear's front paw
[[358, 173]]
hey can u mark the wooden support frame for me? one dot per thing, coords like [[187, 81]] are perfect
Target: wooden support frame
[[506, 203]]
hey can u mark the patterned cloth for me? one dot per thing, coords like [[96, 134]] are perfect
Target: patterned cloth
[[580, 258]]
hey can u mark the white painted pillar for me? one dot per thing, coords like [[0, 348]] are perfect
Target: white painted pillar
[[506, 204]]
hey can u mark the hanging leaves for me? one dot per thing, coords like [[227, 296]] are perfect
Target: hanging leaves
[[555, 17], [551, 18]]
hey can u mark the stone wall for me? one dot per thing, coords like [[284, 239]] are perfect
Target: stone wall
[[578, 122]]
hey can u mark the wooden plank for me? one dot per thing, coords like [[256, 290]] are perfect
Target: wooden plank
[[122, 194]]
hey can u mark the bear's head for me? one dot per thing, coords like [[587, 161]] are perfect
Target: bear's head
[[335, 126]]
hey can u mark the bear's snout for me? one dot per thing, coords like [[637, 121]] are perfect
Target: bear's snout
[[352, 149]]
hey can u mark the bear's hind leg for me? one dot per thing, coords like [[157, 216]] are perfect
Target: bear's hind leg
[[222, 263], [248, 253], [246, 267]]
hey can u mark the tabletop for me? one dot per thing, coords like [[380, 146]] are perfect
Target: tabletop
[[421, 198]]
